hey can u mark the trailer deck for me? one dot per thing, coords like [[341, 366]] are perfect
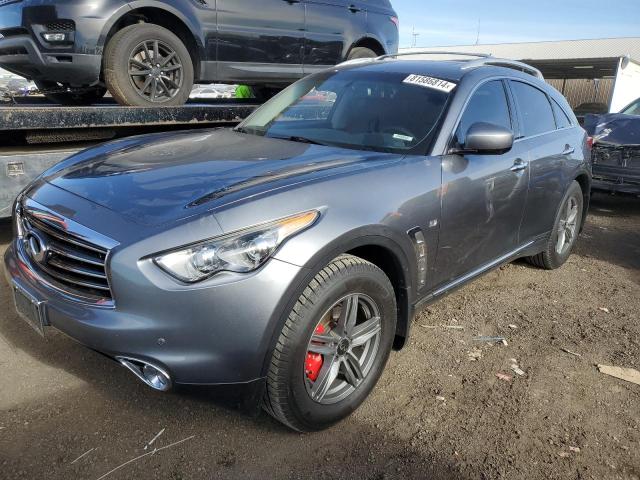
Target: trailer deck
[[36, 135]]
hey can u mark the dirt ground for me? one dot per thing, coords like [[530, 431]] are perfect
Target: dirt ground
[[439, 411]]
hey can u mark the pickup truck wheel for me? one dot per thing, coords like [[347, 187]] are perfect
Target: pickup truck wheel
[[333, 346], [565, 231], [79, 97], [147, 65]]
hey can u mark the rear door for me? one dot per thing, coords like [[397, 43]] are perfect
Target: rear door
[[332, 27], [260, 39], [553, 148], [483, 195]]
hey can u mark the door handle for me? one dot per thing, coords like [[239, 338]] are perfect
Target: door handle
[[354, 9], [568, 150], [291, 2], [519, 165]]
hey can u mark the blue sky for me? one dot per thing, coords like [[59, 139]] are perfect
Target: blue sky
[[455, 22]]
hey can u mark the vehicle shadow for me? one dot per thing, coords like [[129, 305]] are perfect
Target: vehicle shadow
[[612, 231]]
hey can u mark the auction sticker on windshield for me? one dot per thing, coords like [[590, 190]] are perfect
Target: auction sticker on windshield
[[430, 82]]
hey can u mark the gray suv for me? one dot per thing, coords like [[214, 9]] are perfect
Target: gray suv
[[289, 255]]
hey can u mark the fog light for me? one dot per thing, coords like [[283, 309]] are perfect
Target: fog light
[[55, 37]]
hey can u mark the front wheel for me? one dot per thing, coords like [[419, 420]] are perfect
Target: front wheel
[[565, 231], [333, 346], [147, 65]]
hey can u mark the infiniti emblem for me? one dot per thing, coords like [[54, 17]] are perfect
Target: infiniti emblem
[[37, 247]]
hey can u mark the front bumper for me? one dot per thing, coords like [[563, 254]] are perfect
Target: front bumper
[[215, 334], [22, 56]]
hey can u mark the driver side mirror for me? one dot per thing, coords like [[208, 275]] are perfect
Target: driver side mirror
[[486, 138]]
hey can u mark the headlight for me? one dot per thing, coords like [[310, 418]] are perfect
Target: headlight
[[241, 251]]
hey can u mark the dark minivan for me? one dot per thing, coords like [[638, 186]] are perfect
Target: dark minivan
[[151, 52]]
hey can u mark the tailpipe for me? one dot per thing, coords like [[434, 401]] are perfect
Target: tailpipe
[[153, 376]]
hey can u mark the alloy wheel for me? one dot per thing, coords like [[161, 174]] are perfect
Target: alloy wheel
[[342, 348], [155, 71], [567, 226]]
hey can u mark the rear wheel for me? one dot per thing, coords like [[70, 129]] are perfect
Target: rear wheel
[[333, 346], [565, 231], [74, 97], [147, 65], [361, 52]]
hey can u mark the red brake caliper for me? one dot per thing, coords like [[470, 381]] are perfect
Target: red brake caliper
[[313, 363]]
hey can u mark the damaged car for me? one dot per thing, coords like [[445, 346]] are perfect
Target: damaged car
[[616, 149]]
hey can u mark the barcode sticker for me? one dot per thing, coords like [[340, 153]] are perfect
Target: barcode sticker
[[430, 82]]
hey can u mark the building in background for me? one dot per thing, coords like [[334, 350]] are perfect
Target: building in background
[[596, 76]]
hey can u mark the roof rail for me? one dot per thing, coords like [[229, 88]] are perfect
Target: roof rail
[[504, 62], [482, 59], [432, 52]]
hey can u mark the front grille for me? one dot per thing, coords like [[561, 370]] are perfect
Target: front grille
[[72, 264], [61, 26], [615, 155]]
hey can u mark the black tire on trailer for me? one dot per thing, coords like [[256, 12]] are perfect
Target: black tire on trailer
[[361, 52], [79, 97], [343, 326], [565, 231], [147, 65]]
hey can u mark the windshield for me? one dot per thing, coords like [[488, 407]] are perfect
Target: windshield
[[380, 111]]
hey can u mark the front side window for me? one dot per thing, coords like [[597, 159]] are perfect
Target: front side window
[[353, 108], [535, 109], [488, 104]]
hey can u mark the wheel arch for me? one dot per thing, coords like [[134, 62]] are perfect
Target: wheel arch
[[159, 14]]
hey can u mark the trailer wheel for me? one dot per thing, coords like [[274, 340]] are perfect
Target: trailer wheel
[[84, 96], [147, 65]]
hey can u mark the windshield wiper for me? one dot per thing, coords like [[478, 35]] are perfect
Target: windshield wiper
[[296, 138]]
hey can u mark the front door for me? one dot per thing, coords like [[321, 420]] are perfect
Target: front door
[[483, 196], [333, 26], [260, 40]]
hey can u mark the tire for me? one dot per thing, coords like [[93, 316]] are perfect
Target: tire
[[127, 46], [288, 396], [361, 52], [553, 257], [85, 96]]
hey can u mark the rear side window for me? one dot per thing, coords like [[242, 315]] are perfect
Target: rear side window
[[535, 109], [488, 104], [562, 120]]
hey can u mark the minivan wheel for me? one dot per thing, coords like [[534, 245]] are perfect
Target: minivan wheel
[[565, 231], [147, 65], [74, 97], [333, 347], [361, 52]]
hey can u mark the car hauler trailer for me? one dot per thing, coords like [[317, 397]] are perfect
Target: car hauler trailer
[[35, 136]]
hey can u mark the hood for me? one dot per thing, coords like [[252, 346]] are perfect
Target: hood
[[164, 177], [614, 128]]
